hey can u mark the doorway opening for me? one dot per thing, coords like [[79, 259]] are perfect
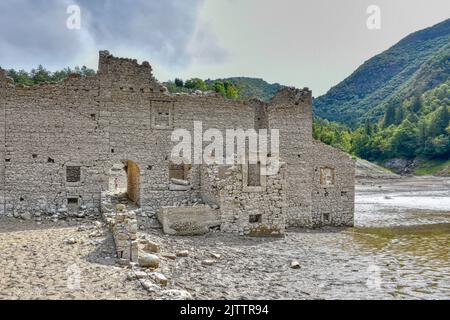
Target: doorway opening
[[124, 182]]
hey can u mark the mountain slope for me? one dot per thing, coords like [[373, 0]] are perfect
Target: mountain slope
[[417, 63]]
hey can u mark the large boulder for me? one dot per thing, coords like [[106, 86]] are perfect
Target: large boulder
[[187, 221], [148, 260]]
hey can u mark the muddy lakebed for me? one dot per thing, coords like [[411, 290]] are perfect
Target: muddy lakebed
[[398, 249]]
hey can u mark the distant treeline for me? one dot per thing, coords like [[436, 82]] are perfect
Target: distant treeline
[[40, 75], [224, 88], [415, 127]]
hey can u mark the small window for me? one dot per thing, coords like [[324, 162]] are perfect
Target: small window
[[254, 175], [327, 176], [255, 218], [179, 171], [162, 117], [326, 217], [72, 200], [50, 160], [72, 204], [73, 174]]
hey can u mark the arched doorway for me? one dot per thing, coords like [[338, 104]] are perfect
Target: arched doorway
[[124, 181]]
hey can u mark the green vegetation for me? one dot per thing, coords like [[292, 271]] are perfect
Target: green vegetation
[[239, 88], [417, 127], [396, 104], [224, 88], [416, 64], [41, 75], [433, 167]]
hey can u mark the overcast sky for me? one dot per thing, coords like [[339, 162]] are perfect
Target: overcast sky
[[301, 43]]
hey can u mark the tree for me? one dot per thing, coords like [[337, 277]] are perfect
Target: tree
[[179, 83], [40, 75], [404, 141], [196, 84], [440, 121], [389, 115], [441, 146], [231, 91], [219, 88]]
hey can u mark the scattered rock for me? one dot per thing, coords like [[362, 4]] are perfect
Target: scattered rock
[[98, 224], [71, 241], [177, 294], [170, 256], [182, 253], [295, 264], [149, 286], [120, 207], [151, 246], [148, 260], [216, 255], [208, 262], [95, 234], [159, 278]]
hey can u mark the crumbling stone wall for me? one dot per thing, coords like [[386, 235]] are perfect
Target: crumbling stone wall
[[123, 225], [333, 192], [254, 212], [123, 114]]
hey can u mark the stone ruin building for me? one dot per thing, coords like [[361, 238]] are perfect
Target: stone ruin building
[[65, 145]]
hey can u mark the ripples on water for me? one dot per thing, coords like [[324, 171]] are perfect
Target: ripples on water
[[407, 232]]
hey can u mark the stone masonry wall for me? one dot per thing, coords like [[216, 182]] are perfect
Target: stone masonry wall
[[256, 213], [333, 199], [83, 126]]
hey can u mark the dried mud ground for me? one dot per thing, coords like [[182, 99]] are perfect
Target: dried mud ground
[[399, 249]]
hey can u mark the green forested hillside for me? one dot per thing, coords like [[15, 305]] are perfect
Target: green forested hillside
[[418, 63]]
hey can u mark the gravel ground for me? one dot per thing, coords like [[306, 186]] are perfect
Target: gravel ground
[[75, 260], [37, 263]]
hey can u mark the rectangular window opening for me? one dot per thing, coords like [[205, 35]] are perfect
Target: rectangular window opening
[[73, 174], [255, 218], [254, 175]]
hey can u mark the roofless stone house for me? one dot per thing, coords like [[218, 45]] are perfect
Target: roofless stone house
[[60, 145]]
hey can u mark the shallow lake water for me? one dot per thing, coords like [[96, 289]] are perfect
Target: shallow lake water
[[405, 225]]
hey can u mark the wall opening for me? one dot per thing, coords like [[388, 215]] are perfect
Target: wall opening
[[255, 218], [73, 174], [254, 175], [179, 171], [73, 204], [133, 182], [327, 176], [124, 181]]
